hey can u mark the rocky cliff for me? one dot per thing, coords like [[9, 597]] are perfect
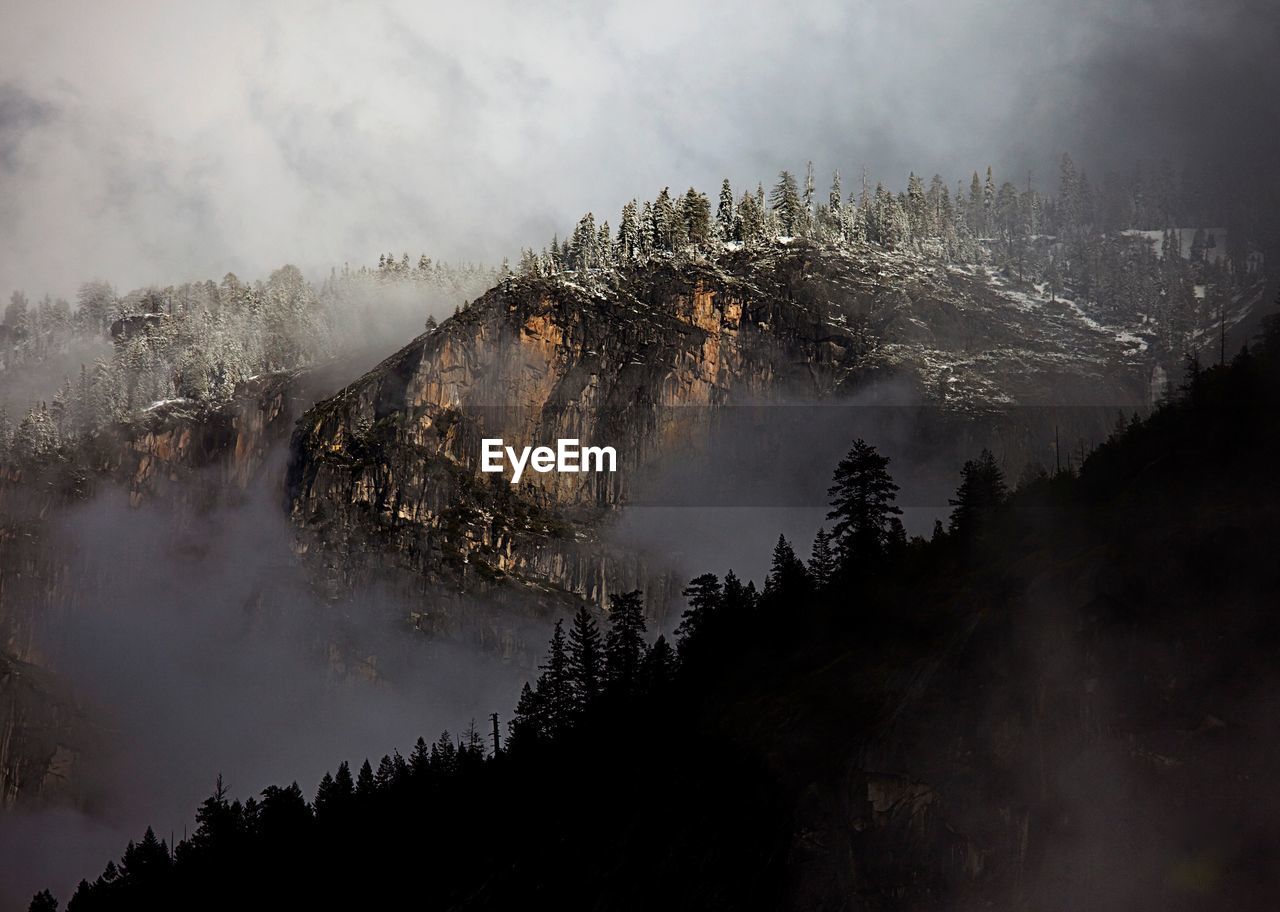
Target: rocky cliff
[[386, 474]]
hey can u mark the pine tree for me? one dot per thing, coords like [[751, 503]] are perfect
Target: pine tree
[[582, 247], [982, 490], [806, 202], [471, 751], [624, 644], [365, 785], [284, 813], [787, 579], [216, 818], [628, 234], [861, 504], [420, 757], [703, 595], [917, 208], [43, 902], [647, 235], [37, 435], [145, 862], [604, 246], [938, 204], [659, 666], [785, 202], [736, 600], [749, 225], [895, 536], [725, 213], [988, 204], [343, 784], [664, 221], [974, 210], [444, 755], [525, 726], [695, 212], [326, 797], [1008, 213], [555, 687], [822, 560], [586, 659]]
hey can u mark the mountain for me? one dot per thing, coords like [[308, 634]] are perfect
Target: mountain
[[1066, 702], [385, 475], [657, 358]]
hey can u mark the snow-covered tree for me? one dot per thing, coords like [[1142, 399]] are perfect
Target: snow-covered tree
[[786, 204], [725, 213]]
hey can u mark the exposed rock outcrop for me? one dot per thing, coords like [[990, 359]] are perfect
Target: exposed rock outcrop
[[386, 474]]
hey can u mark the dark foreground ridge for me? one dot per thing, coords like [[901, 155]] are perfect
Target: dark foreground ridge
[[1066, 700]]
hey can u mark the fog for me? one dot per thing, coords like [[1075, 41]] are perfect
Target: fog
[[39, 380], [200, 649], [157, 142]]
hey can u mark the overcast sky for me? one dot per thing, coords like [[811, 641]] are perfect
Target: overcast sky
[[156, 142]]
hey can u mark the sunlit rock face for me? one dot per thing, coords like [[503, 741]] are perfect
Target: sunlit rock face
[[386, 474]]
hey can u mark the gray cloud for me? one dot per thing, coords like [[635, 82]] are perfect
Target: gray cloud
[[189, 139], [19, 113]]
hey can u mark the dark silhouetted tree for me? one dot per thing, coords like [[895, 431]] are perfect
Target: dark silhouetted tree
[[787, 579], [525, 726], [703, 595], [861, 504], [659, 666], [555, 684], [43, 902], [586, 658], [284, 814], [982, 490], [420, 758], [326, 798], [624, 645], [736, 600], [822, 560], [444, 755], [365, 785]]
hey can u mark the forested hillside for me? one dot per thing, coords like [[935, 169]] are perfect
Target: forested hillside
[[1065, 697], [198, 342]]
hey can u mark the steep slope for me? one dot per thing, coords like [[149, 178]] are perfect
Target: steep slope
[[387, 471]]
